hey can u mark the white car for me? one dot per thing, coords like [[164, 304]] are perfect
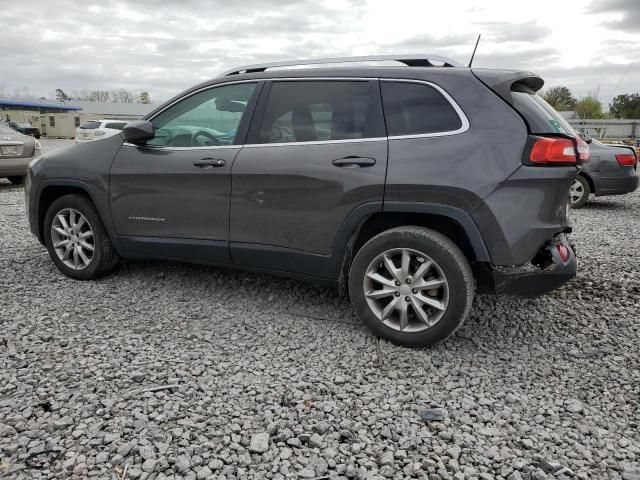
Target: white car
[[96, 129]]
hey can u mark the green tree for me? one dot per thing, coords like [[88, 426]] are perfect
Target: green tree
[[589, 107], [625, 106], [145, 97], [61, 96], [560, 98]]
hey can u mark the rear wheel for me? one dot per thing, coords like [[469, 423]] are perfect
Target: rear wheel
[[76, 239], [16, 179], [579, 192], [412, 286]]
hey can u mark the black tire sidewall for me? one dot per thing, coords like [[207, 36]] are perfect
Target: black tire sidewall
[[100, 256], [441, 250]]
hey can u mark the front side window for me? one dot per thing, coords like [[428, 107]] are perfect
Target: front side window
[[310, 111], [208, 118], [417, 109]]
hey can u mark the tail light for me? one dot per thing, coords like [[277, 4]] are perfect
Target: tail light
[[553, 150], [558, 151], [626, 159]]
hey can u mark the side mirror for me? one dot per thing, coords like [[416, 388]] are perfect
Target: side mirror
[[138, 132]]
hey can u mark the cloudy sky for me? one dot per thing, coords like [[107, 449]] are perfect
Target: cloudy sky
[[163, 47]]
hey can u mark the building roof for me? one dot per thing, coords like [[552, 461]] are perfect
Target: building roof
[[113, 108], [16, 102]]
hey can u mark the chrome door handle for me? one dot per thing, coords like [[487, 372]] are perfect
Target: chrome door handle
[[210, 162], [354, 162]]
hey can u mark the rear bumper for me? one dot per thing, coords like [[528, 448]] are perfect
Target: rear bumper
[[14, 166], [615, 183], [532, 283]]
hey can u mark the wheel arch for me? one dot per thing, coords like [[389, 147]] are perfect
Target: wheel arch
[[587, 177], [452, 222], [52, 190]]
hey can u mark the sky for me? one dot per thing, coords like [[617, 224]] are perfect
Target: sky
[[163, 47]]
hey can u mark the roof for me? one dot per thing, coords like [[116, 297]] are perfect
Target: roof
[[113, 108], [16, 102]]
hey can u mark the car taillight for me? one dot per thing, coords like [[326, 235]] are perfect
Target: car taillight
[[626, 159], [583, 150], [553, 151]]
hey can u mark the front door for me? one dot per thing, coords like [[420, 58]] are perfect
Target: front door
[[170, 197], [316, 153]]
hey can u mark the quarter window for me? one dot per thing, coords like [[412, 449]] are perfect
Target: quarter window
[[309, 111], [414, 109], [208, 118]]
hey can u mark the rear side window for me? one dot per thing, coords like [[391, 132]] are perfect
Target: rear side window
[[90, 125], [309, 111], [115, 126], [417, 109], [541, 117]]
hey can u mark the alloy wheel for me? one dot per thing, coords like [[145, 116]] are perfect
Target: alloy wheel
[[576, 192], [72, 239], [406, 290]]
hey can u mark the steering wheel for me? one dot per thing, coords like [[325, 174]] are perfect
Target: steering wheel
[[204, 133]]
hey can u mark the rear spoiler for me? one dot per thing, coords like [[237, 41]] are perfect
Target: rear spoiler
[[502, 82]]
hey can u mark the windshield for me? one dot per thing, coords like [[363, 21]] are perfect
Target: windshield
[[542, 117], [90, 125]]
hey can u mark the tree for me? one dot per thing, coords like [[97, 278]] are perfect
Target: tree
[[589, 107], [625, 106], [144, 97], [560, 98], [61, 96]]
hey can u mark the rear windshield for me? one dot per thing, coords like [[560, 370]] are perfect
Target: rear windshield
[[90, 125], [541, 117], [116, 126]]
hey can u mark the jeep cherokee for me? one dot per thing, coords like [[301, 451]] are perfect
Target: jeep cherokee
[[411, 186]]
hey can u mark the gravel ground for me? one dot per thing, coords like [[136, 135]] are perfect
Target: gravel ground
[[167, 370]]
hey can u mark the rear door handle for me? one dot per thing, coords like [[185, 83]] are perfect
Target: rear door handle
[[210, 162], [354, 162]]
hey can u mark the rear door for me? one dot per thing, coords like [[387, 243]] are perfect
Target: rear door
[[170, 197], [316, 151]]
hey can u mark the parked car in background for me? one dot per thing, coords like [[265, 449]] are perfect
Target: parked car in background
[[16, 151], [96, 129], [25, 128], [611, 170], [412, 187]]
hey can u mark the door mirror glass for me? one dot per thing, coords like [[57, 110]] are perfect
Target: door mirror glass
[[137, 132]]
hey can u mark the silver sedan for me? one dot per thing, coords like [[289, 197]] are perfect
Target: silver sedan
[[16, 151]]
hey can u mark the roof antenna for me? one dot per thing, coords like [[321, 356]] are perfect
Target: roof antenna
[[474, 51]]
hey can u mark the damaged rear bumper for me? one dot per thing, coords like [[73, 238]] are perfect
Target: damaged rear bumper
[[554, 265]]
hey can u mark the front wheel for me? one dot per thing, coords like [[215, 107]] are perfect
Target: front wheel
[[579, 192], [76, 239], [412, 286]]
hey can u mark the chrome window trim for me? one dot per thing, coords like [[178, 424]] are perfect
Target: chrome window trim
[[316, 142], [463, 118]]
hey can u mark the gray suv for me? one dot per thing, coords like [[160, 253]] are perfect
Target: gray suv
[[410, 187]]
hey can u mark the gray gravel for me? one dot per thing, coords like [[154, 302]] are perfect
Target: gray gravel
[[168, 370]]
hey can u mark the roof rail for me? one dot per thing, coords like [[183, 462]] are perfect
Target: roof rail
[[412, 60]]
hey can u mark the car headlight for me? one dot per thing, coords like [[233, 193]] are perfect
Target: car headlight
[[33, 162]]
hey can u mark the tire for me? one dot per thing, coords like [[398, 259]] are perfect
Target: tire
[[16, 179], [579, 192], [422, 246], [102, 259]]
